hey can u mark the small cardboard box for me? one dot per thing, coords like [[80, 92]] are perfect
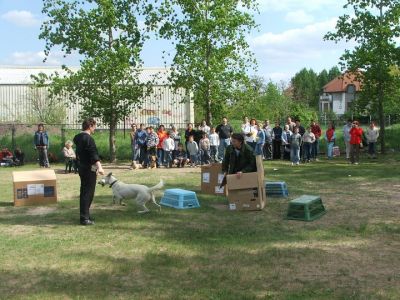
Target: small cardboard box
[[211, 179], [34, 187], [248, 191]]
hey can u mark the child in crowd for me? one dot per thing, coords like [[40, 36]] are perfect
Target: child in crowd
[[214, 144], [70, 157], [295, 144], [181, 158], [168, 146], [193, 150], [205, 149], [152, 142], [308, 141], [330, 138]]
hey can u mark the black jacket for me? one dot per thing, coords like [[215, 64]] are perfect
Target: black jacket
[[86, 150], [244, 162]]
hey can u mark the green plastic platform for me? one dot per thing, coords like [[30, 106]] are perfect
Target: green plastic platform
[[306, 208]]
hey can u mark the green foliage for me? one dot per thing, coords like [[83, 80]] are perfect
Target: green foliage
[[108, 37], [374, 27], [212, 54]]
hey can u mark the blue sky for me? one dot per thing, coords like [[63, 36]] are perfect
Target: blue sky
[[290, 37]]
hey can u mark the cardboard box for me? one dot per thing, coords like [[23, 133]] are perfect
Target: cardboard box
[[34, 187], [248, 191], [211, 178]]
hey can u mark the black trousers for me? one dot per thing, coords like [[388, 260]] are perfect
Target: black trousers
[[88, 185]]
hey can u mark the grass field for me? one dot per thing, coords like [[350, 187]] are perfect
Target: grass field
[[352, 252]]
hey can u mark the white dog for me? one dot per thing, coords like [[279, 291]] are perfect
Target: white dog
[[141, 193]]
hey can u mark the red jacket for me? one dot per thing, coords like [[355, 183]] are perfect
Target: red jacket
[[356, 135], [162, 135], [316, 130]]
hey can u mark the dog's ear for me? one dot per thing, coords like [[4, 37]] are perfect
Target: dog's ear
[[109, 174]]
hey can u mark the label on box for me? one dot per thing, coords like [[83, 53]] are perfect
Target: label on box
[[49, 191], [219, 190], [232, 206], [22, 193], [35, 189], [206, 177], [220, 177]]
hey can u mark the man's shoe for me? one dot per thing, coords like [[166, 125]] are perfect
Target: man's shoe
[[87, 222]]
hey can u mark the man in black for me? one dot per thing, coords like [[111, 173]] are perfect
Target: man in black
[[224, 131], [239, 157], [89, 166]]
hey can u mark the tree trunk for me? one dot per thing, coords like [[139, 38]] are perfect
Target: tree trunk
[[113, 149], [381, 117]]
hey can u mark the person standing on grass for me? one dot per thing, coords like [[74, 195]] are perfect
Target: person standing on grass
[[168, 146], [224, 131], [250, 133], [41, 142], [267, 151], [346, 137], [295, 141], [162, 135], [276, 141], [316, 130], [260, 141], [151, 142], [356, 133], [188, 133], [205, 148], [193, 151], [214, 143], [330, 137], [174, 134], [89, 167], [286, 134], [140, 139], [372, 139], [308, 142]]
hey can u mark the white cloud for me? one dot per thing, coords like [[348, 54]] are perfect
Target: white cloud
[[35, 58], [299, 17], [21, 18], [288, 5], [289, 51]]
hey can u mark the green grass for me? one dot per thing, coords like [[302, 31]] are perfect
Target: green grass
[[210, 252]]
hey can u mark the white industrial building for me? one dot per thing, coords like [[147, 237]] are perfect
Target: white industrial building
[[162, 106]]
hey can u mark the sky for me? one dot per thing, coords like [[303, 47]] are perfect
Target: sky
[[289, 37]]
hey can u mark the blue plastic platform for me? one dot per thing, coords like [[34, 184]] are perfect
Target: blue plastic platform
[[276, 189], [180, 199]]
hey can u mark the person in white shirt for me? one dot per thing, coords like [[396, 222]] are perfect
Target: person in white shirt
[[308, 141], [204, 127], [346, 137], [372, 138], [250, 133], [168, 146], [214, 143]]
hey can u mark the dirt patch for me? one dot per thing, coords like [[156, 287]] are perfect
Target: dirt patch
[[40, 211]]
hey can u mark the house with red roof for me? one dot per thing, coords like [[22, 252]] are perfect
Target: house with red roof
[[338, 94]]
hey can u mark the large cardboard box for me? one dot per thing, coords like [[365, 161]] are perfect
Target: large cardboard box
[[34, 187], [211, 179], [248, 191]]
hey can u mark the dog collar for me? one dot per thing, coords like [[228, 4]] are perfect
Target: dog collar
[[113, 183]]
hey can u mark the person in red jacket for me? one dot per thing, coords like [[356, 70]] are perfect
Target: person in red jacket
[[316, 129], [162, 135], [355, 142]]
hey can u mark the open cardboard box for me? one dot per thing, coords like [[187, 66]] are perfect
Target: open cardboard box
[[211, 179], [34, 187], [248, 191]]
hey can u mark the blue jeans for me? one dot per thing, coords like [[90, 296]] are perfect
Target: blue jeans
[[330, 149], [160, 156], [259, 149], [371, 148], [193, 158], [315, 149], [214, 153], [135, 152], [307, 151], [168, 158], [223, 144], [295, 154]]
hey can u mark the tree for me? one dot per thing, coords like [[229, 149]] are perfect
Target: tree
[[109, 39], [333, 73], [212, 55], [374, 27], [306, 87]]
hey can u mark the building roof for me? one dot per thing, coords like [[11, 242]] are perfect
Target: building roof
[[22, 75], [339, 84]]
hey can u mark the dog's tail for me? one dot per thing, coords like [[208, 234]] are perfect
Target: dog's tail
[[157, 187]]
